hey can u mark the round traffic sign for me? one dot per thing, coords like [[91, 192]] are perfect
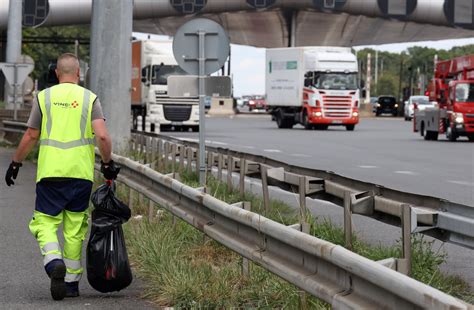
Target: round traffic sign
[[186, 44]]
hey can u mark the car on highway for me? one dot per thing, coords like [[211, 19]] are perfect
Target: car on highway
[[422, 103], [258, 103], [386, 104], [373, 103]]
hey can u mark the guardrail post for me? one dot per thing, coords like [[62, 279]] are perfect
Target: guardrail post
[[230, 168], [181, 158], [153, 153], [173, 158], [166, 153], [266, 195], [348, 220], [140, 148], [189, 160], [151, 208], [243, 170], [130, 198], [405, 267], [220, 159], [160, 155], [303, 210]]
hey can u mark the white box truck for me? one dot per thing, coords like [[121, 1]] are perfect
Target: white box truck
[[152, 64], [313, 86]]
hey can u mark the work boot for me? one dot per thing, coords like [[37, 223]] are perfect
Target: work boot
[[72, 289], [56, 270]]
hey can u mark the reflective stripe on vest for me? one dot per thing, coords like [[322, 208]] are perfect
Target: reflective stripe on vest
[[49, 124]]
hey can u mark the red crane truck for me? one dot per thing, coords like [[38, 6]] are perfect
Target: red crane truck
[[453, 90]]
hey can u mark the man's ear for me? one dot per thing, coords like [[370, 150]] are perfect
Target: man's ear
[[57, 73], [78, 72]]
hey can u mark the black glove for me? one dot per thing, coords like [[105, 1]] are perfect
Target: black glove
[[110, 170], [12, 172]]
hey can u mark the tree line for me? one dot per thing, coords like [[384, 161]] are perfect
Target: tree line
[[407, 73]]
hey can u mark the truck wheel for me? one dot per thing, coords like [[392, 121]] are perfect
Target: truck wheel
[[431, 135], [350, 127], [283, 123], [450, 134], [307, 125]]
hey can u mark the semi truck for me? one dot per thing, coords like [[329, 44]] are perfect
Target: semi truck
[[452, 88], [152, 64], [316, 87]]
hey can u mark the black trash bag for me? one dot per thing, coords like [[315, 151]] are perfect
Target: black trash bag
[[108, 269]]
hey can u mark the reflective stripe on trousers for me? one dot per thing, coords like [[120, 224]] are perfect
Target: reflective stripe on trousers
[[50, 252], [74, 270]]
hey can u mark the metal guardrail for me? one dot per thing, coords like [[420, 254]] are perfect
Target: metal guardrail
[[439, 218], [327, 271]]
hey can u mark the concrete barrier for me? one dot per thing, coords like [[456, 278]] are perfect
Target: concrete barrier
[[222, 107]]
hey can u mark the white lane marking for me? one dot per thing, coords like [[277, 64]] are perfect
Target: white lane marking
[[406, 172], [218, 143], [246, 147], [301, 155], [465, 183], [272, 151], [367, 167]]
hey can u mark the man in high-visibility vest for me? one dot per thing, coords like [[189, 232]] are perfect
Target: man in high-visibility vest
[[65, 119]]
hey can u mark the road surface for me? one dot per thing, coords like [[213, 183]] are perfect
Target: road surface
[[24, 284], [381, 150]]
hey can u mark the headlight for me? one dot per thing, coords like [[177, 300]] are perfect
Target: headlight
[[317, 114], [458, 118], [355, 114], [396, 105], [378, 105]]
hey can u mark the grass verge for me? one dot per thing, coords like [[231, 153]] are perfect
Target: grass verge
[[185, 271]]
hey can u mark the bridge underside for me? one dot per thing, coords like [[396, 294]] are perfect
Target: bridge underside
[[276, 27]]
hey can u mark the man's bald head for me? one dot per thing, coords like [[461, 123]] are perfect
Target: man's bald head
[[67, 68]]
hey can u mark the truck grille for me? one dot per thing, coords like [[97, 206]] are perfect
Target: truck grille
[[469, 122], [337, 106], [177, 113]]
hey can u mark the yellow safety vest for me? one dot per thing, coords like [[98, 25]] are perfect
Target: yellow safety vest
[[67, 138]]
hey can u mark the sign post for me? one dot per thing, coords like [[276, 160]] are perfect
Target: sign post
[[201, 47]]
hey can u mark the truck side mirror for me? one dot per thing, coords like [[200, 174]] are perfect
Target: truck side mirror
[[143, 79]]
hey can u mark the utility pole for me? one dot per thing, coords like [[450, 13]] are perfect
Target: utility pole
[[111, 65], [369, 78], [376, 72], [13, 44]]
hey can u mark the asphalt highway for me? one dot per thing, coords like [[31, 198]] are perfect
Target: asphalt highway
[[23, 282], [380, 150]]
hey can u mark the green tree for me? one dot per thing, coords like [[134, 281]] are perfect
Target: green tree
[[45, 53]]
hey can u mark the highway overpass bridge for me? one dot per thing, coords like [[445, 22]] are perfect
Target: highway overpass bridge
[[277, 23]]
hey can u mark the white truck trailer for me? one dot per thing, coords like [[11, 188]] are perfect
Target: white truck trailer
[[152, 64], [313, 86]]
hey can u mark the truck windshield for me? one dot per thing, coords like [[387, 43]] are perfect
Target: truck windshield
[[337, 81], [465, 92], [161, 73]]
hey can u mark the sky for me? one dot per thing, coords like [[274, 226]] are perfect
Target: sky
[[248, 63]]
